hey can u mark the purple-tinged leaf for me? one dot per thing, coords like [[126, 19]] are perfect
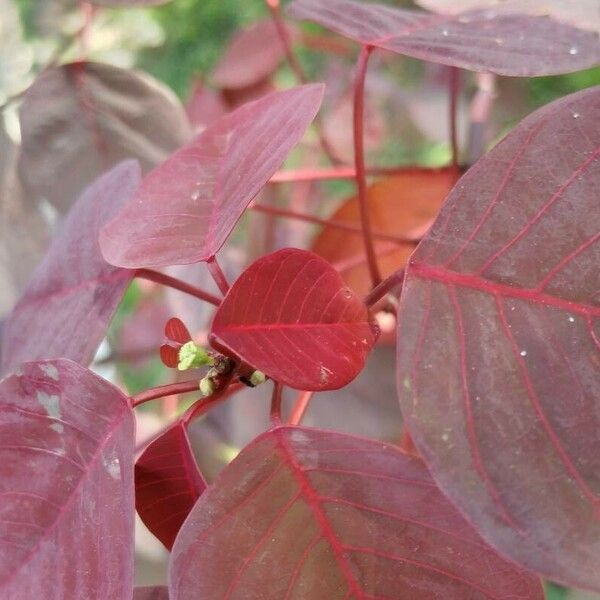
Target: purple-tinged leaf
[[291, 315], [66, 485], [155, 592], [186, 207], [483, 40], [303, 513], [499, 343], [80, 119], [73, 294], [167, 483], [253, 55]]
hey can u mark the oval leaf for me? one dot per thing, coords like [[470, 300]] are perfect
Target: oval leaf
[[484, 40], [66, 483], [167, 483], [291, 316], [80, 119], [403, 205], [498, 362], [73, 294], [253, 55], [185, 208], [303, 513]]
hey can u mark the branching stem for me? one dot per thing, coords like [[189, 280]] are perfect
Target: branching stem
[[300, 407], [386, 286], [176, 284], [162, 391], [276, 403], [217, 274]]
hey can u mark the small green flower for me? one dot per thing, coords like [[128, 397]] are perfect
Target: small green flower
[[207, 386], [192, 356], [257, 378]]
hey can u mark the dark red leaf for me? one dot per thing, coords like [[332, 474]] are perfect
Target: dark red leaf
[[484, 40], [186, 207], [291, 316], [253, 55], [80, 119], [303, 513], [176, 331], [204, 107], [167, 483], [66, 483], [499, 363], [157, 592], [73, 294]]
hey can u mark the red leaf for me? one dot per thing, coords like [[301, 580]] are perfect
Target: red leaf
[[176, 331], [66, 482], [484, 40], [498, 364], [78, 120], [185, 208], [291, 316], [158, 592], [253, 55], [167, 483], [303, 513], [73, 294]]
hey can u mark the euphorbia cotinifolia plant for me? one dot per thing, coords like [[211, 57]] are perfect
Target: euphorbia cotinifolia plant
[[492, 482]]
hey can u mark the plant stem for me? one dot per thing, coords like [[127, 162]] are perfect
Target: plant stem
[[176, 284], [479, 112], [386, 286], [218, 275], [300, 407], [171, 389], [454, 90], [276, 403], [203, 406], [280, 212], [296, 67], [359, 162]]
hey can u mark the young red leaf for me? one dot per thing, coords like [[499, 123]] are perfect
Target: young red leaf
[[66, 485], [253, 55], [484, 40], [157, 592], [499, 339], [291, 316], [176, 331], [303, 513], [167, 483], [185, 208], [80, 119], [73, 294]]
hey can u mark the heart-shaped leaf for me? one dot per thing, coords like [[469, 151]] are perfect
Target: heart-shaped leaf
[[253, 55], [73, 294], [167, 483], [80, 119], [185, 208], [499, 339], [66, 485], [291, 316], [403, 205], [484, 40], [303, 513]]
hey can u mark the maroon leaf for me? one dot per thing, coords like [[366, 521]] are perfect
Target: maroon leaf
[[498, 363], [291, 316], [73, 294], [185, 208], [205, 106], [167, 483], [80, 119], [483, 40], [303, 513], [157, 592], [253, 55], [66, 483]]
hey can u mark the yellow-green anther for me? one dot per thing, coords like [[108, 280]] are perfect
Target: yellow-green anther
[[257, 378], [192, 356], [207, 386]]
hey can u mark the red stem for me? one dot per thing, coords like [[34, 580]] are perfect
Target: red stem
[[300, 407], [218, 275], [454, 90], [276, 403], [162, 391], [176, 284], [359, 162], [386, 286], [203, 406], [281, 212]]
